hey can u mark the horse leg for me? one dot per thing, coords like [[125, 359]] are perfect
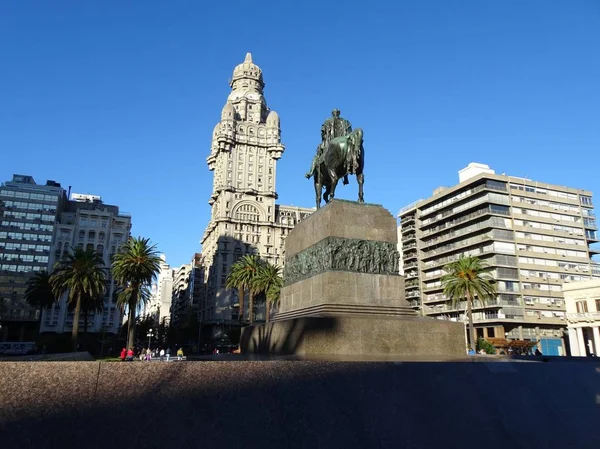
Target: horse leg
[[360, 177], [318, 188], [334, 180]]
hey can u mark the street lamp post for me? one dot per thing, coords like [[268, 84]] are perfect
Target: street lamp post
[[149, 335]]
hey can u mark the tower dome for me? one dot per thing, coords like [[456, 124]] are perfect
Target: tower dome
[[273, 120], [249, 71], [228, 112]]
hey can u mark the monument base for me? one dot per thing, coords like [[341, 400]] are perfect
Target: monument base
[[356, 336]]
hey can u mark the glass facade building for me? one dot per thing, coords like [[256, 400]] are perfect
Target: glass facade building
[[28, 216]]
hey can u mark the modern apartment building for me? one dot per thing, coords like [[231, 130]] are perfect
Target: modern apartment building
[[534, 236], [188, 292], [164, 292], [88, 223], [246, 145], [180, 294], [28, 216]]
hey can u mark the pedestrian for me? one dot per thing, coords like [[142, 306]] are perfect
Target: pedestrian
[[130, 355], [180, 354], [142, 354], [162, 355], [148, 355], [168, 354], [123, 354]]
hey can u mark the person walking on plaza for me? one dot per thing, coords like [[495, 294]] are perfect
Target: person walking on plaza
[[162, 355], [180, 353], [130, 355], [123, 354], [168, 354]]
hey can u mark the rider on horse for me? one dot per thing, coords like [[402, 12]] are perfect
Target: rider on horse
[[333, 127]]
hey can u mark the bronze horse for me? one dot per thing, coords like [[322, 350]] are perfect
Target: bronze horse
[[343, 156]]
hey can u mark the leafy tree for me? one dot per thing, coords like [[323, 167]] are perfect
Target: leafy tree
[[81, 274], [486, 346], [134, 268], [467, 278], [268, 281], [39, 292]]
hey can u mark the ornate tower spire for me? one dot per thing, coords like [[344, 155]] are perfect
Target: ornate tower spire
[[246, 145]]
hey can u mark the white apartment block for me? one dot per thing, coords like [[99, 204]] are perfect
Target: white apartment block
[[164, 292], [583, 315], [536, 238], [88, 223], [246, 145]]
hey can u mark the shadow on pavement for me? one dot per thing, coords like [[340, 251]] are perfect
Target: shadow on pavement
[[300, 404]]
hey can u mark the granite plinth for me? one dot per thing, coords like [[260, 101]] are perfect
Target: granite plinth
[[344, 219], [343, 334], [343, 288]]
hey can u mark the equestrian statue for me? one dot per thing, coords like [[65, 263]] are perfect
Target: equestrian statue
[[339, 154]]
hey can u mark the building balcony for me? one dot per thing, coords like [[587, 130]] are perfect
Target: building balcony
[[590, 223], [432, 288], [411, 265], [457, 246], [584, 317], [413, 294], [409, 237], [407, 220], [409, 246], [452, 201], [469, 205], [593, 250], [463, 219], [411, 274], [412, 283], [460, 307], [408, 228], [410, 255]]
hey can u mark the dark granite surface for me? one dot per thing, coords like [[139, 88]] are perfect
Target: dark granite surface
[[300, 404]]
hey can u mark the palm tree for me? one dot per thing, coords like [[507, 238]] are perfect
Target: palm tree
[[241, 277], [467, 278], [234, 281], [82, 274], [134, 267], [268, 280], [91, 305], [39, 292]]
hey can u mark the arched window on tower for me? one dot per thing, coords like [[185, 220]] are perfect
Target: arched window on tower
[[247, 212]]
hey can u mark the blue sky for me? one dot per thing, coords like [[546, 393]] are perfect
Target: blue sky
[[119, 98]]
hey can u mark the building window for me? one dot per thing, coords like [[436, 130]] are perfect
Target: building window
[[598, 305], [581, 306]]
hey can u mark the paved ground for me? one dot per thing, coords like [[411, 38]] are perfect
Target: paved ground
[[301, 404]]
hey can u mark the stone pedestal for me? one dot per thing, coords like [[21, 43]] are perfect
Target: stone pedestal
[[343, 295]]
